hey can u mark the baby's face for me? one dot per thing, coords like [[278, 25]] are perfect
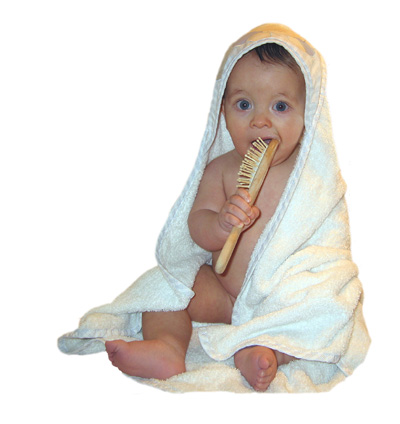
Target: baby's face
[[267, 101]]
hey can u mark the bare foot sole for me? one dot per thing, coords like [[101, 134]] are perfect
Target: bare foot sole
[[146, 359], [258, 366]]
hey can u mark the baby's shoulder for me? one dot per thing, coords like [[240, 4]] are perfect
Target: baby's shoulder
[[224, 164]]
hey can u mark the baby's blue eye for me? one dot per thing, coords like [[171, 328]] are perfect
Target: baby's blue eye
[[243, 105], [281, 107]]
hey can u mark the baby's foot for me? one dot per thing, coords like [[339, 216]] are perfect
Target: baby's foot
[[146, 359], [258, 366]]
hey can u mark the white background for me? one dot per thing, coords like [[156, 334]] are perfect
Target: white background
[[103, 107]]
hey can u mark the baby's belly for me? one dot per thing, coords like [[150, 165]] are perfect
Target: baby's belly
[[233, 277]]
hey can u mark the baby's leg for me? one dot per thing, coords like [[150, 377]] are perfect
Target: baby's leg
[[162, 352], [211, 302], [167, 334]]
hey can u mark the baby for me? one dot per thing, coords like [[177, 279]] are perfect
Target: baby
[[264, 97]]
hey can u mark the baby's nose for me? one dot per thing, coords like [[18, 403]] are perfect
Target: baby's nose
[[261, 119]]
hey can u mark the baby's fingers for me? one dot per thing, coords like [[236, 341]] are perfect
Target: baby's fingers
[[242, 213], [251, 211], [236, 217], [241, 199], [244, 194]]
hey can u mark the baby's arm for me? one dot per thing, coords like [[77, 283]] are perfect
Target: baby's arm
[[214, 213]]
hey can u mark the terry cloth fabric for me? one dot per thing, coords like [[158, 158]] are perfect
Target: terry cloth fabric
[[301, 294]]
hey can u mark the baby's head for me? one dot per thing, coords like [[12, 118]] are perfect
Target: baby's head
[[265, 97]]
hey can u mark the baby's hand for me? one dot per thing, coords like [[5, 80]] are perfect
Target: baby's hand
[[237, 211]]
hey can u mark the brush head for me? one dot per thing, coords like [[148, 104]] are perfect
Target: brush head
[[250, 163]]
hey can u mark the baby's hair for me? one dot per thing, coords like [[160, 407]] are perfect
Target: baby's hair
[[276, 54]]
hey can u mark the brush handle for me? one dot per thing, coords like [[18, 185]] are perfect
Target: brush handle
[[254, 189]]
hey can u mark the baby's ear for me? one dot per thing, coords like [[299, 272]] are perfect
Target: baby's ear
[[223, 107]]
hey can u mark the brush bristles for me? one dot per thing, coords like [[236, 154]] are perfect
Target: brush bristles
[[250, 163]]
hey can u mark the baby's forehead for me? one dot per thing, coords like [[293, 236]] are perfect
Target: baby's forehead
[[251, 61]]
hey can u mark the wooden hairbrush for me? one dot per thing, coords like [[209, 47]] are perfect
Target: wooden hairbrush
[[252, 173]]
